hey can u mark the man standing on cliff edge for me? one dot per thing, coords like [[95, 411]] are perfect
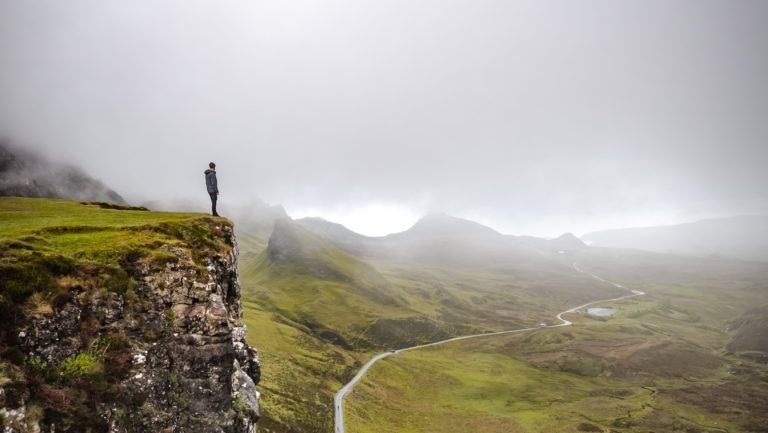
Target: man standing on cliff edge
[[212, 185]]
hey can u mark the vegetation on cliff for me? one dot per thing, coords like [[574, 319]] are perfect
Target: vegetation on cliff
[[99, 301]]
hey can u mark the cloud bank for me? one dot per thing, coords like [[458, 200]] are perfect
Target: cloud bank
[[535, 117]]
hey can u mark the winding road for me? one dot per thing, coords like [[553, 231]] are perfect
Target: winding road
[[338, 400]]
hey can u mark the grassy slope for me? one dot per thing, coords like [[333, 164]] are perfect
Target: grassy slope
[[659, 364], [317, 285], [288, 305]]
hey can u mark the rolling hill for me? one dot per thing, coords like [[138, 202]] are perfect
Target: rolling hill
[[741, 237]]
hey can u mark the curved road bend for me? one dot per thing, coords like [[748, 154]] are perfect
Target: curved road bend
[[338, 400]]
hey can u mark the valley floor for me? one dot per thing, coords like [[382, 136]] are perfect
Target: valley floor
[[655, 366], [662, 363]]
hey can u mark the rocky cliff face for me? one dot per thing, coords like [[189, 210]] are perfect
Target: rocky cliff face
[[158, 347]]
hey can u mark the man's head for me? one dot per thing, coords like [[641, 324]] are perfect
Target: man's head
[[212, 166]]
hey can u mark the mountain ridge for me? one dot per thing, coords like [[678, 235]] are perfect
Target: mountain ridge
[[26, 174], [742, 237], [441, 224]]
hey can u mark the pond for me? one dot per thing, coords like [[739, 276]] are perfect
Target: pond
[[602, 312]]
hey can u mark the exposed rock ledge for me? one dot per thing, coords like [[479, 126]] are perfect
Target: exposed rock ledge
[[173, 352]]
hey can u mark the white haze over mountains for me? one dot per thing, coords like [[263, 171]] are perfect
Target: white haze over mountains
[[534, 117]]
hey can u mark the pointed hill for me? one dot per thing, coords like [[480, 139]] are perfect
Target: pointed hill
[[344, 238], [259, 215], [438, 224], [292, 245], [568, 242], [330, 230], [442, 239], [255, 221]]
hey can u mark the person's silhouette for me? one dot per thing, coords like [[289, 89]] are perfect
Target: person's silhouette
[[213, 186]]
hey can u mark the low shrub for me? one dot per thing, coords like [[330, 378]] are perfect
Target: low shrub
[[75, 367], [24, 272]]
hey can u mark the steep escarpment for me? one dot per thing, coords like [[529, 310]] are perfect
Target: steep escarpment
[[121, 321]]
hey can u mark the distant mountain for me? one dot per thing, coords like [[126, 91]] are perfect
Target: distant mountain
[[293, 251], [443, 239], [741, 237], [416, 243], [330, 230], [439, 238], [26, 174], [438, 224], [257, 213], [568, 242]]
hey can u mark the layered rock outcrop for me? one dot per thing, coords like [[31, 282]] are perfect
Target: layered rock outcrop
[[152, 348]]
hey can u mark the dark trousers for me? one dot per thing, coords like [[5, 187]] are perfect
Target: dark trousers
[[213, 203]]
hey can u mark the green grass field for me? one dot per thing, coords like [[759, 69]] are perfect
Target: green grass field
[[44, 240], [659, 364], [318, 313], [95, 232], [317, 317]]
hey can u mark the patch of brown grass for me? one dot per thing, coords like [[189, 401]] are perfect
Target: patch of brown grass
[[38, 305], [61, 400], [743, 400]]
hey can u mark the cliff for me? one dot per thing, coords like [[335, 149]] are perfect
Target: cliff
[[121, 321]]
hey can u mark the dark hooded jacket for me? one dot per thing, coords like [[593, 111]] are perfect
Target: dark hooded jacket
[[210, 181]]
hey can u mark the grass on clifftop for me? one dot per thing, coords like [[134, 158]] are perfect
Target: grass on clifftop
[[44, 239], [96, 231], [55, 251]]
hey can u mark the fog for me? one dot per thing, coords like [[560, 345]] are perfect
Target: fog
[[534, 117]]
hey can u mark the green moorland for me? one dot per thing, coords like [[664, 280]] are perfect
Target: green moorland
[[317, 313], [50, 249], [661, 364]]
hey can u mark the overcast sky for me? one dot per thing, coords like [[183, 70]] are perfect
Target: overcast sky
[[535, 117]]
